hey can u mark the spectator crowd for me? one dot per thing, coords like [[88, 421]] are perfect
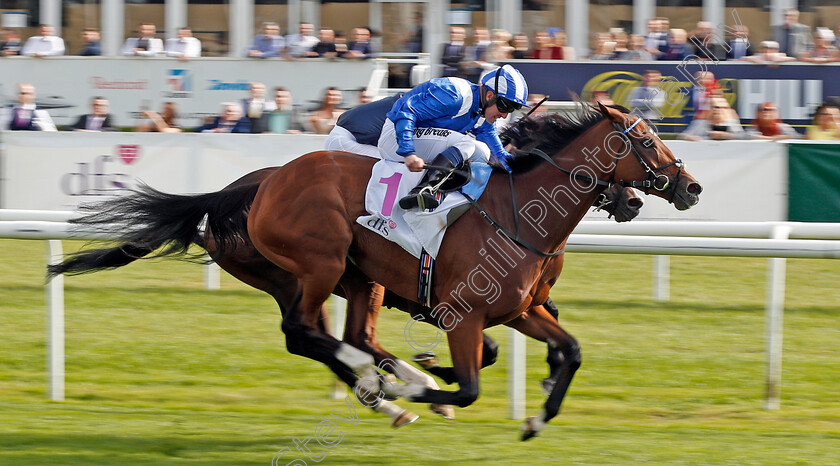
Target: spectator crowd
[[467, 58], [258, 112], [790, 41], [269, 43]]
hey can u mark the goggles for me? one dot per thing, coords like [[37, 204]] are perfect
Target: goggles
[[506, 106]]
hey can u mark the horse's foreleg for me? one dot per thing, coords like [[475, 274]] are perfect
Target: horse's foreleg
[[465, 346], [364, 300], [428, 360], [563, 358]]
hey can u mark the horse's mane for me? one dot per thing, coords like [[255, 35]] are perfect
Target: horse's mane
[[549, 133]]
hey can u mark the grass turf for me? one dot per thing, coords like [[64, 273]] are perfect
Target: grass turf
[[161, 371]]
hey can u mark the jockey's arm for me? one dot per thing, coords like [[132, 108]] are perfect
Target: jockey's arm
[[425, 106], [487, 134]]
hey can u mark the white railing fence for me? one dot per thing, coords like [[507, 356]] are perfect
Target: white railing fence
[[774, 240]]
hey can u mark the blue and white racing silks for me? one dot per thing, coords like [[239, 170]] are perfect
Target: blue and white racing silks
[[450, 103]]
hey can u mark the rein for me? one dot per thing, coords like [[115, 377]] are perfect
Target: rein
[[512, 236]]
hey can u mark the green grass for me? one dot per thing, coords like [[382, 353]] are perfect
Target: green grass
[[161, 371]]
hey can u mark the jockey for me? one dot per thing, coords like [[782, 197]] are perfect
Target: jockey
[[430, 122]]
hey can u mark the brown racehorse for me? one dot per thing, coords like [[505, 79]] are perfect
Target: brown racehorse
[[365, 298], [302, 220]]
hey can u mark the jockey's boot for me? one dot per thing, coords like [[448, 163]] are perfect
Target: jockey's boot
[[423, 195]]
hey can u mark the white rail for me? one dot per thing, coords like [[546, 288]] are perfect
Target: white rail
[[36, 215], [710, 229], [35, 229], [740, 239], [699, 246]]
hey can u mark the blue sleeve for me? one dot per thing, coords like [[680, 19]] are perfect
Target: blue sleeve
[[487, 134], [433, 102]]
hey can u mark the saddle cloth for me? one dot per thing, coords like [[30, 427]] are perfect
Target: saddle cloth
[[414, 230]]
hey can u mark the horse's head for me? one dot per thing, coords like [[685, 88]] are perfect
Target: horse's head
[[643, 161], [623, 204]]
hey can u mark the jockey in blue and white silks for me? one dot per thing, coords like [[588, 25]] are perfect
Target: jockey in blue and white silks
[[428, 124]]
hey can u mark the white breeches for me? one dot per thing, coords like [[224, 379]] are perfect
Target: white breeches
[[343, 140], [429, 142]]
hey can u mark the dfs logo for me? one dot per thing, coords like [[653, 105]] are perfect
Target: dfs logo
[[179, 84], [101, 177]]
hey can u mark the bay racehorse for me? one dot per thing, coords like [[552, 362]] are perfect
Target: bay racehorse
[[302, 220], [365, 298]]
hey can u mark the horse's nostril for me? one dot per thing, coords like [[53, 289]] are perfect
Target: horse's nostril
[[694, 188], [635, 202]]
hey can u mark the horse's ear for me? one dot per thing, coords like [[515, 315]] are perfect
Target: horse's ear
[[603, 109], [607, 112]]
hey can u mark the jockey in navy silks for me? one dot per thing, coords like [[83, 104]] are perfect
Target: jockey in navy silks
[[430, 122]]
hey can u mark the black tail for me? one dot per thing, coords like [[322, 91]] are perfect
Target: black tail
[[148, 220]]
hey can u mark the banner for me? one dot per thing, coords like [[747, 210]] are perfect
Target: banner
[[742, 180], [66, 85], [814, 182], [58, 171], [797, 88]]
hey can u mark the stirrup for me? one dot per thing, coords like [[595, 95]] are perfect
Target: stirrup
[[424, 198], [424, 194]]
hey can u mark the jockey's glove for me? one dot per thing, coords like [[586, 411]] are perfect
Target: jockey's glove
[[503, 162]]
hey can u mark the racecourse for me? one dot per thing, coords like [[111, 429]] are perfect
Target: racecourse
[[161, 371]]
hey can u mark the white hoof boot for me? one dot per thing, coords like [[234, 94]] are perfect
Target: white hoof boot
[[408, 391], [368, 385], [399, 417]]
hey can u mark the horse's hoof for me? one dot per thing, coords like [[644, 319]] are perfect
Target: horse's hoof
[[548, 385], [405, 417], [528, 431], [444, 411], [426, 359]]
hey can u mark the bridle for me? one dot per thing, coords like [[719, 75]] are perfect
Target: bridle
[[653, 175], [651, 181]]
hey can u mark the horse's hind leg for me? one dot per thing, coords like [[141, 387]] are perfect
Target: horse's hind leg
[[310, 237], [563, 358]]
